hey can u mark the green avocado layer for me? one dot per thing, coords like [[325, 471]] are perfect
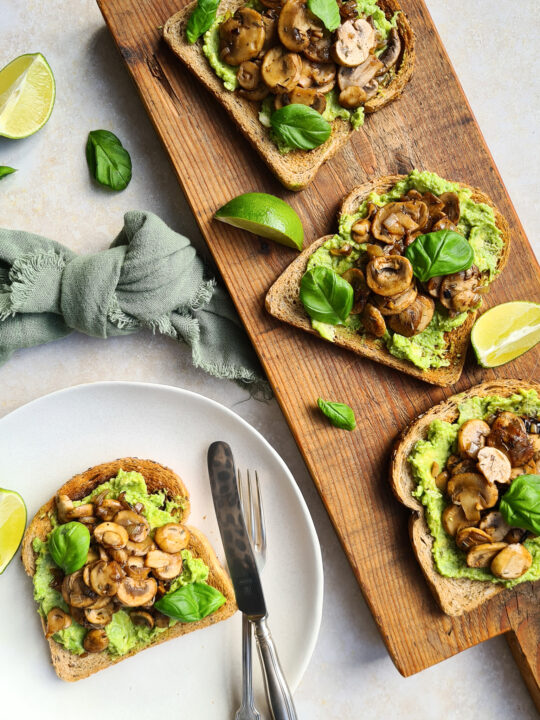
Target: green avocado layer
[[123, 634], [438, 446], [477, 224]]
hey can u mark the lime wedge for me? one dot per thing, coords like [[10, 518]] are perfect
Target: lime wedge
[[265, 215], [505, 332], [27, 92], [12, 524]]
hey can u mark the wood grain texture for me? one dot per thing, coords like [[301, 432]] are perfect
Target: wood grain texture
[[424, 129]]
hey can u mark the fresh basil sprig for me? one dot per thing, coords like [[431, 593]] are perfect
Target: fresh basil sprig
[[108, 160], [201, 19], [520, 505], [68, 545], [300, 126], [6, 170], [339, 414], [439, 253], [326, 296], [191, 602], [327, 11]]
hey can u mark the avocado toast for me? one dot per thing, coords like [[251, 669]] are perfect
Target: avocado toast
[[313, 79], [433, 348], [140, 551]]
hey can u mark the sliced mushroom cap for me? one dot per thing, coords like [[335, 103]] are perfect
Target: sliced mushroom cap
[[389, 275], [373, 321], [165, 566], [108, 508], [162, 621], [465, 465], [393, 49], [302, 96], [57, 620], [494, 525], [248, 75], [360, 231], [140, 548], [172, 537], [132, 592], [294, 25], [323, 74], [241, 36], [361, 75], [104, 578], [472, 437], [512, 562], [459, 291], [75, 591], [79, 512], [395, 304], [270, 23], [354, 40], [356, 278], [508, 433], [515, 535], [371, 88], [141, 617], [120, 556], [99, 617], [396, 219], [136, 525], [494, 465], [280, 69], [471, 536], [441, 480], [95, 641], [320, 42], [415, 318], [473, 492], [111, 534], [450, 201], [352, 97], [64, 505], [454, 520], [480, 556]]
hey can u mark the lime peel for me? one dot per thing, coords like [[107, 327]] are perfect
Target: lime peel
[[27, 94], [12, 524]]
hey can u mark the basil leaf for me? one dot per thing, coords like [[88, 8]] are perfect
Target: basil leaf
[[108, 160], [339, 414], [68, 545], [191, 602], [6, 170], [327, 11], [439, 253], [300, 126], [520, 505], [326, 296], [201, 19]]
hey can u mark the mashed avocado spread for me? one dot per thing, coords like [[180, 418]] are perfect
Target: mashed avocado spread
[[438, 446], [123, 634], [476, 223]]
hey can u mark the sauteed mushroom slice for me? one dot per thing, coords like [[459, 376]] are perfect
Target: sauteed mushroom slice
[[136, 525], [494, 465], [141, 617], [454, 520], [140, 548], [371, 88], [355, 277], [242, 36], [133, 593], [443, 224], [360, 231], [273, 4], [397, 219], [99, 617], [75, 591], [95, 641], [294, 25], [395, 304], [472, 437], [107, 509], [389, 274], [473, 492], [323, 74], [512, 562], [79, 512], [104, 577], [270, 23], [450, 201], [280, 69], [373, 321], [393, 49], [508, 433], [415, 318], [361, 75], [494, 525], [302, 96], [57, 620], [471, 536], [248, 75], [354, 40], [480, 556], [165, 566], [459, 291], [172, 537], [352, 97], [515, 535], [64, 505], [111, 534]]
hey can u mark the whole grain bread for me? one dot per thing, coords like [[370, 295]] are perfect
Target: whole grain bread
[[71, 667], [283, 302], [297, 168], [454, 595]]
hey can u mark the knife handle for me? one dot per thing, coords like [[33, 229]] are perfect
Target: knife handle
[[277, 691]]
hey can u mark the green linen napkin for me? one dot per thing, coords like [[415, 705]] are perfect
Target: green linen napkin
[[151, 277]]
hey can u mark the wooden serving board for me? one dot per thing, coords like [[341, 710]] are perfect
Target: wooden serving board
[[426, 129]]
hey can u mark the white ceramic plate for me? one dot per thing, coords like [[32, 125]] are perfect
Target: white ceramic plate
[[197, 676]]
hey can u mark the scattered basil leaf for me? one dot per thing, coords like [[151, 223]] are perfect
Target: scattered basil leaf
[[327, 11], [439, 253], [201, 19], [326, 296], [520, 505], [108, 160], [339, 414], [6, 170], [191, 602], [300, 126], [68, 545]]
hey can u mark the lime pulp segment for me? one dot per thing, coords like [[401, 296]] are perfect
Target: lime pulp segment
[[505, 332], [12, 524], [27, 94]]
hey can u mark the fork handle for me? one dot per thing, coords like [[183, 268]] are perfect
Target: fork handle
[[277, 691]]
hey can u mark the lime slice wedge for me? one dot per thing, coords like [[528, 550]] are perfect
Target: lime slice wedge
[[265, 215], [12, 524], [505, 332], [27, 92]]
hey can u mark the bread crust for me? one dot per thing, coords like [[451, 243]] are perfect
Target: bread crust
[[282, 299], [297, 168], [455, 596], [71, 667]]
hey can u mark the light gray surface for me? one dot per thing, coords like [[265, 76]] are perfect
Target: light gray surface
[[350, 675]]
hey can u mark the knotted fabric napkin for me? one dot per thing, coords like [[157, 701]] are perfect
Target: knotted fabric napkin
[[151, 277]]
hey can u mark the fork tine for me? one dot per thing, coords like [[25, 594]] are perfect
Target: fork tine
[[244, 501], [260, 516], [252, 523]]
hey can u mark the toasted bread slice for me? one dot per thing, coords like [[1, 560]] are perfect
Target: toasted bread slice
[[454, 595], [71, 667], [283, 302], [297, 168]]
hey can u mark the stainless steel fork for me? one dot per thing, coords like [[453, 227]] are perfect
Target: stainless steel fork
[[250, 498]]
